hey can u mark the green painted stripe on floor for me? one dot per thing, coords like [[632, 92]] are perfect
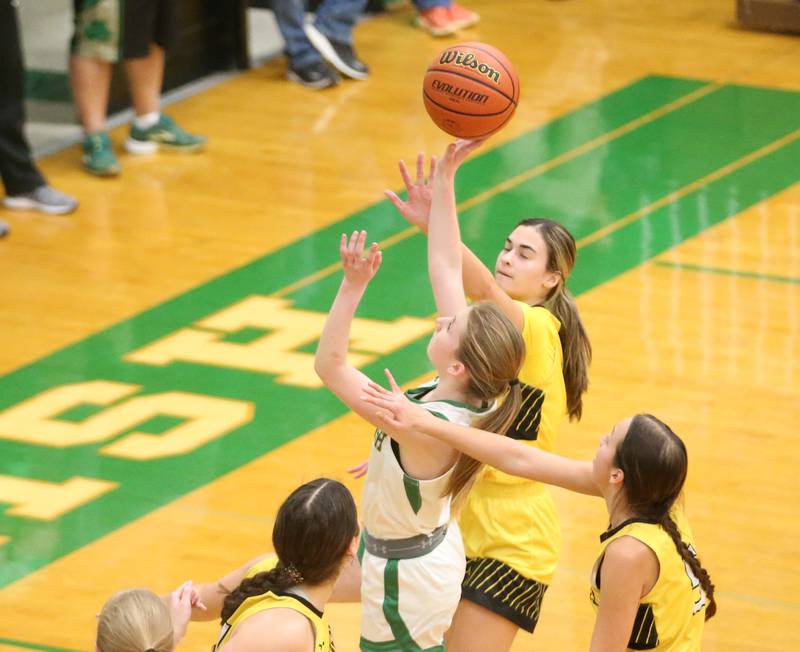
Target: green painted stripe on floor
[[33, 646], [587, 192], [705, 269]]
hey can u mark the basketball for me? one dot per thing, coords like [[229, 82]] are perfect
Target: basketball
[[471, 90]]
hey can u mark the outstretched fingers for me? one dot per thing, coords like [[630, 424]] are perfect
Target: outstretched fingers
[[392, 382], [374, 258], [392, 197], [421, 169], [405, 175]]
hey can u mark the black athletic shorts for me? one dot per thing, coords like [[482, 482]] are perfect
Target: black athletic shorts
[[111, 30], [497, 587]]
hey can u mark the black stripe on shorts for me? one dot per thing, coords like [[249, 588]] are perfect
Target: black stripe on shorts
[[497, 587]]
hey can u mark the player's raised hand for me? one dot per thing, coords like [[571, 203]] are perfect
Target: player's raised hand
[[416, 208], [455, 154], [359, 269], [397, 413]]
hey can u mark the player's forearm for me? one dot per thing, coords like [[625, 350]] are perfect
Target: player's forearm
[[335, 337], [444, 251], [512, 457], [479, 282]]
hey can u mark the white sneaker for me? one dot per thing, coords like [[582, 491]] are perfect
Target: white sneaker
[[45, 199]]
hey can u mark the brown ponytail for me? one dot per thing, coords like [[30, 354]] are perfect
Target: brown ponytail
[[575, 345], [492, 350], [313, 531], [655, 464]]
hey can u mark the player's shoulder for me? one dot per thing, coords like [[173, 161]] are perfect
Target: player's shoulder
[[274, 630]]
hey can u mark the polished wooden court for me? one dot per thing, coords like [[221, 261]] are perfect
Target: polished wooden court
[[679, 181]]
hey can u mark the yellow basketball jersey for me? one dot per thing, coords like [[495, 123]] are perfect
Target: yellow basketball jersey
[[509, 518], [323, 640], [671, 616]]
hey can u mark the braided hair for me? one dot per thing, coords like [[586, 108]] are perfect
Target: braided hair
[[313, 531], [654, 461]]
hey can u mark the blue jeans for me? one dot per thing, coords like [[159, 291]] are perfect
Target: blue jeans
[[334, 18], [424, 5]]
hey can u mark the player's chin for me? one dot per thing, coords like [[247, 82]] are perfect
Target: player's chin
[[504, 281]]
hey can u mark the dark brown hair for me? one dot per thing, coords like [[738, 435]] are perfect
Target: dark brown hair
[[655, 463], [575, 345], [313, 530], [492, 351]]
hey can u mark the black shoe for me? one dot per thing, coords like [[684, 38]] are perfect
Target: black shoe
[[315, 75], [340, 55], [5, 229]]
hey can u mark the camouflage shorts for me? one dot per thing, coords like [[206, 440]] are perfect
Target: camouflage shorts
[[111, 30]]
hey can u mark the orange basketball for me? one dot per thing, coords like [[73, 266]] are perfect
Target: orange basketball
[[471, 90]]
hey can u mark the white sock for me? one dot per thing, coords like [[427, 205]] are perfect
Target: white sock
[[147, 120]]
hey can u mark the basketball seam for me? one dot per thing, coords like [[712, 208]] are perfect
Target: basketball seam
[[491, 131], [471, 115], [472, 79], [502, 65]]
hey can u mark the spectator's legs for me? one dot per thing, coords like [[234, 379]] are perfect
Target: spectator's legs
[[290, 15], [145, 77], [332, 35], [151, 130], [305, 64], [26, 188], [91, 83], [17, 168], [336, 18]]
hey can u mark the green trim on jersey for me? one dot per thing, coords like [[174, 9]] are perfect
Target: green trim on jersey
[[361, 548], [411, 485], [423, 390]]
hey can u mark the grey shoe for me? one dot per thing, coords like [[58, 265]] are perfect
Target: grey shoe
[[5, 229], [45, 199]]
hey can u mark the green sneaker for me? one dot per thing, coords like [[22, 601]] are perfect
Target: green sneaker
[[165, 134], [98, 157]]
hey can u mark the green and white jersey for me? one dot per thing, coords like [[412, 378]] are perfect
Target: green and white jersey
[[408, 604], [395, 505]]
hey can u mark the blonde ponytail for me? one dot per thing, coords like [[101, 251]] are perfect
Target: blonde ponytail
[[134, 620], [492, 350]]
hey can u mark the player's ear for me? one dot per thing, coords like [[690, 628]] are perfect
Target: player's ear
[[456, 369]]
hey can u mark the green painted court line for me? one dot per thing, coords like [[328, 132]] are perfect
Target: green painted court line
[[704, 269], [604, 184], [34, 646]]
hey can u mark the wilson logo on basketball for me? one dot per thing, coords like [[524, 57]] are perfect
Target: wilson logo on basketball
[[460, 93], [468, 60]]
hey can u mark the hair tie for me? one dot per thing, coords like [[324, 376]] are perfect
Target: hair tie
[[511, 383], [294, 574]]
